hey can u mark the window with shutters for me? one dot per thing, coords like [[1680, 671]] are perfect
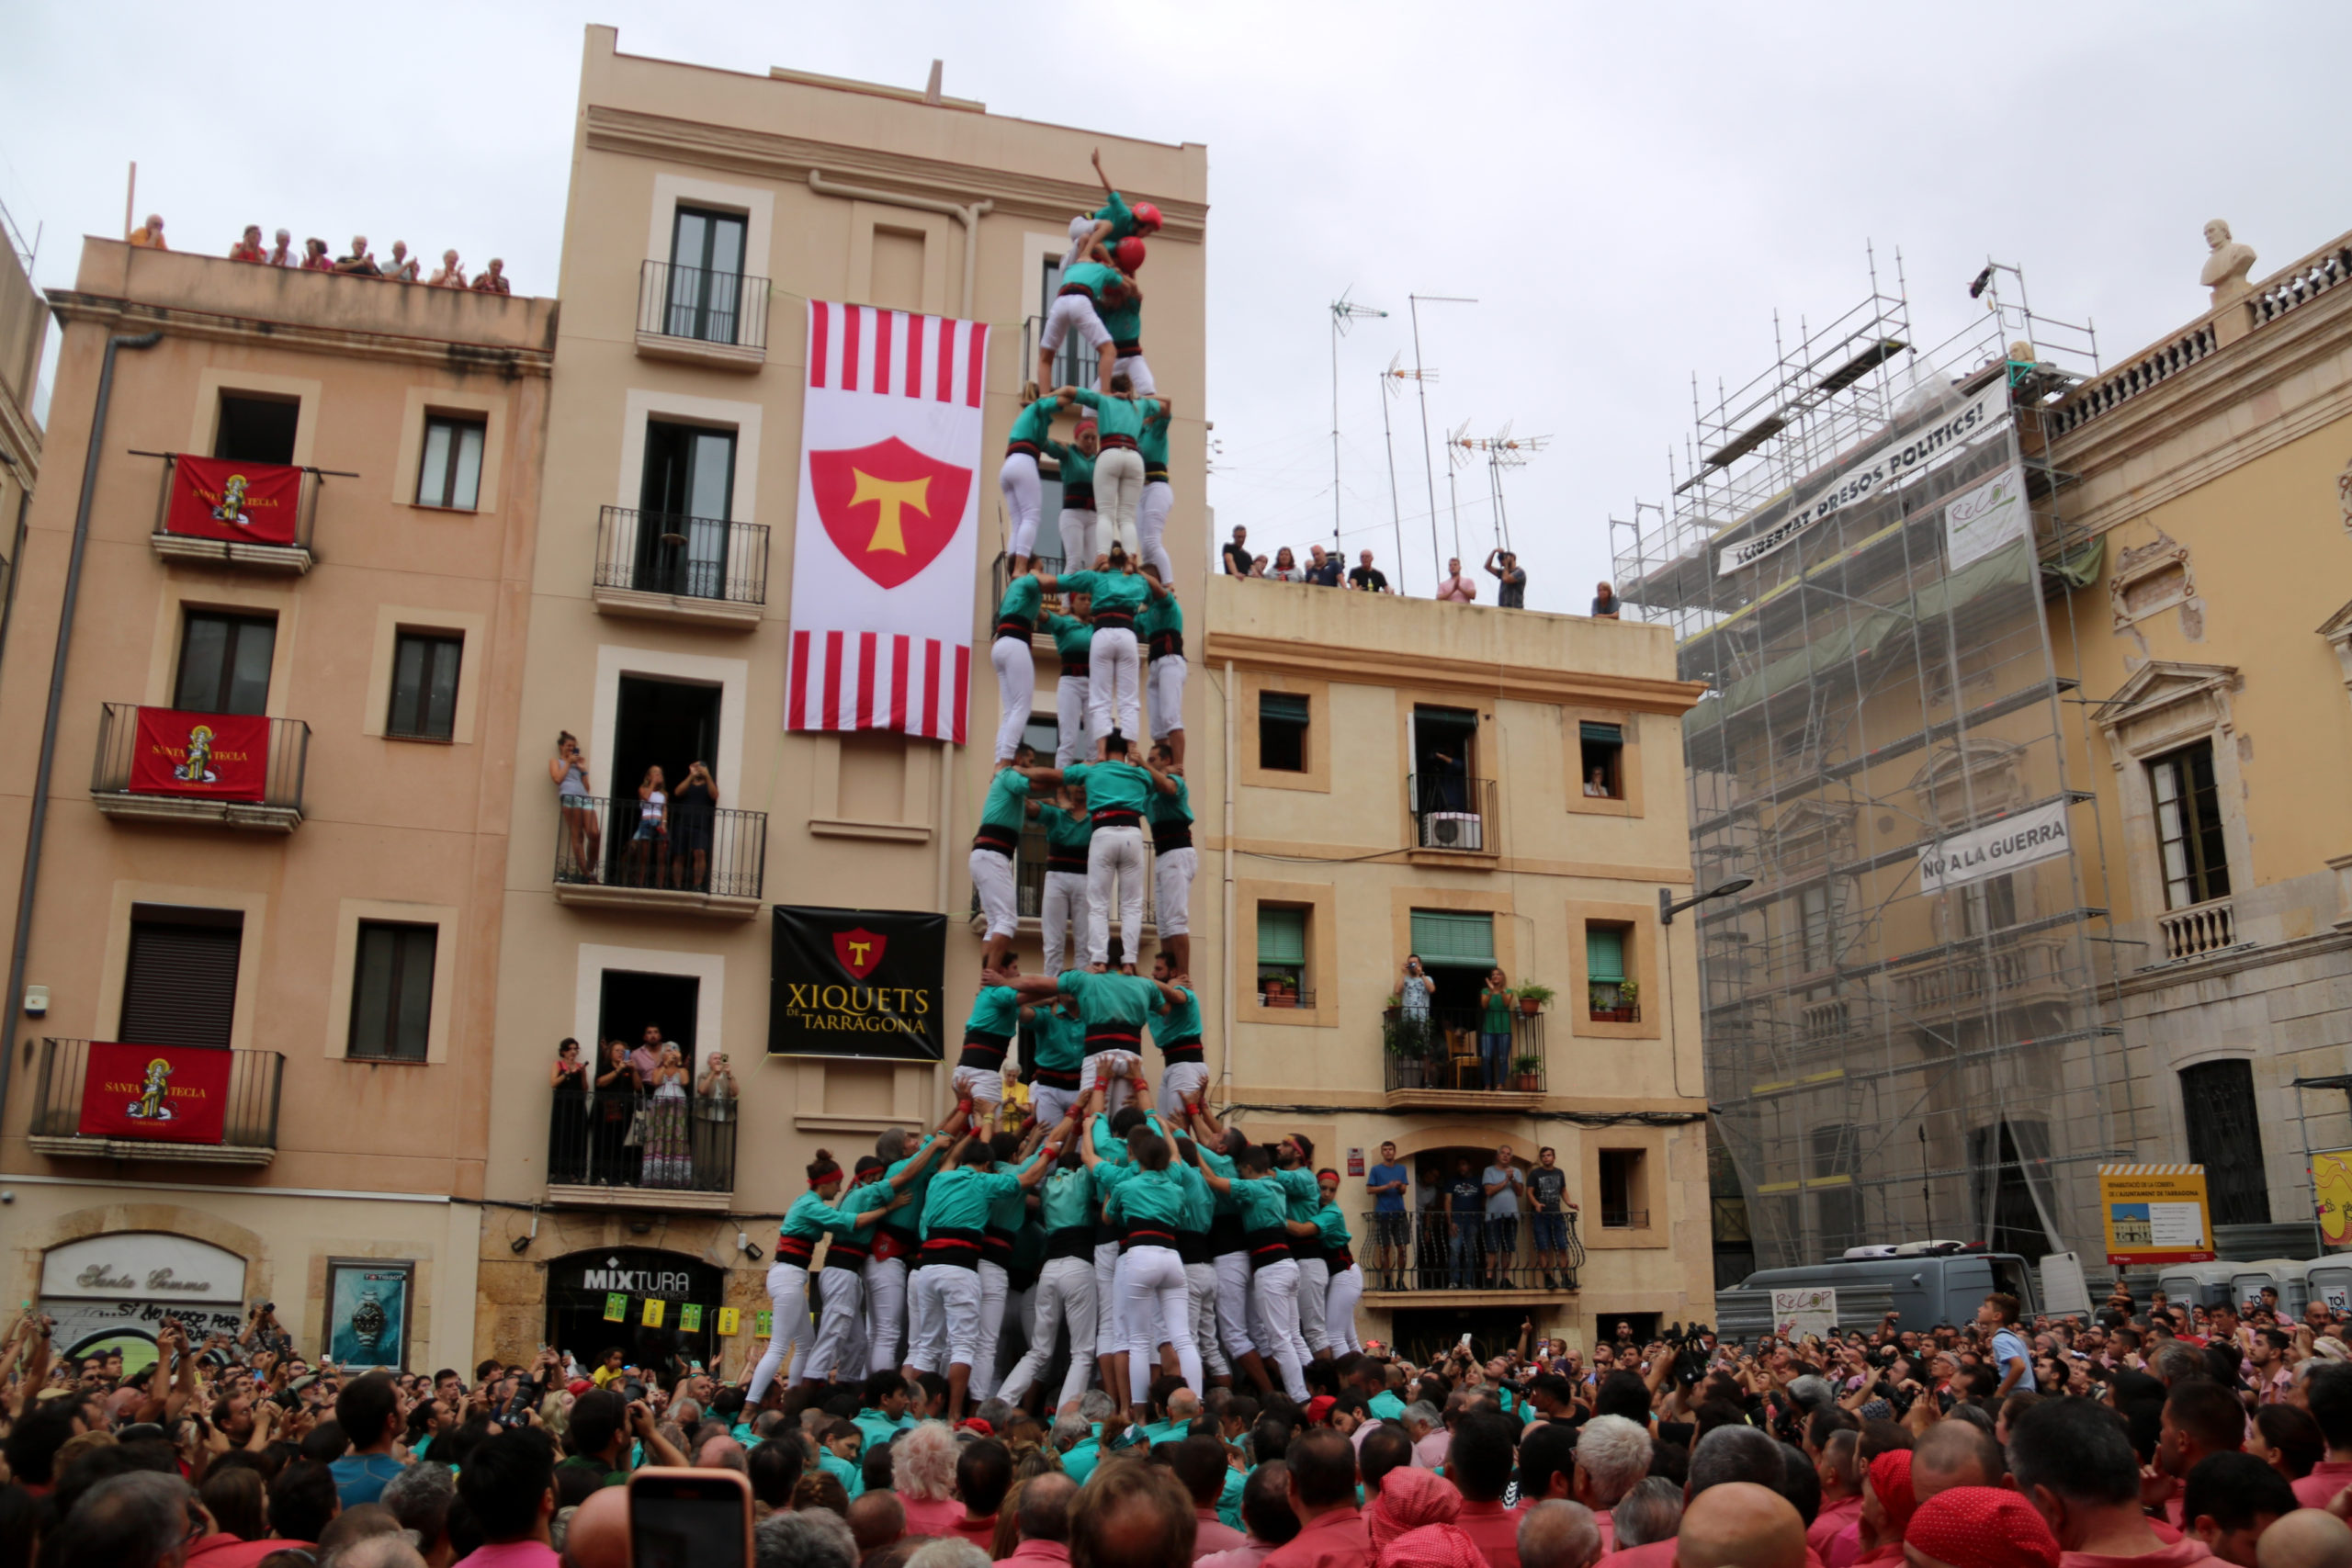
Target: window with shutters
[[1602, 747], [180, 985], [449, 471], [224, 662], [425, 686], [1282, 732], [1281, 954], [1606, 977], [391, 991], [1457, 948], [2188, 826]]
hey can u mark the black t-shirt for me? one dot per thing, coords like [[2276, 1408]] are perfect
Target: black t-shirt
[[1323, 576], [1545, 1184], [1370, 579], [1238, 559], [1468, 1194]]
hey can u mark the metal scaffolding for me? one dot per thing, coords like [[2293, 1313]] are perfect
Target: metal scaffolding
[[1904, 1028]]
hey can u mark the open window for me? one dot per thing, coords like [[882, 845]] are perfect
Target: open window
[[1602, 751], [1609, 984], [1624, 1190], [2188, 826], [1446, 793], [1282, 957], [1282, 732], [253, 428]]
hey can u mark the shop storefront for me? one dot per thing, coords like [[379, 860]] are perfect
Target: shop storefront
[[646, 1303], [115, 1292]]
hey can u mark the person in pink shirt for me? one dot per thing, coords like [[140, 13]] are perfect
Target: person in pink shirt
[[1479, 1462], [983, 1475], [1980, 1527], [1132, 1514], [1841, 1491], [2200, 1419], [1612, 1458], [508, 1486], [2327, 1394], [1887, 1505], [1559, 1534], [1332, 1533], [1456, 588], [1043, 1520], [1266, 1514], [922, 1473], [1199, 1462], [2072, 1459]]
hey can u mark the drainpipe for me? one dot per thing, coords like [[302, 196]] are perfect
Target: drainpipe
[[969, 217], [1226, 861], [39, 823]]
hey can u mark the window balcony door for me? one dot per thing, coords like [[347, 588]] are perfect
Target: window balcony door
[[706, 274], [225, 663], [684, 500]]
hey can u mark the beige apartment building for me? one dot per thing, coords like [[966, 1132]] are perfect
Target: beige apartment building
[[1379, 779], [270, 871], [707, 207]]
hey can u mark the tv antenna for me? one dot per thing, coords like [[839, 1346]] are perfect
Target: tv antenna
[[1456, 454], [1429, 466], [1391, 382], [1503, 450], [1345, 313]]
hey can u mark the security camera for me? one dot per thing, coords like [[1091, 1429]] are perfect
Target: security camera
[[751, 1248]]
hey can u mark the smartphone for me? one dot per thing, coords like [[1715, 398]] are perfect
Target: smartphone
[[689, 1518]]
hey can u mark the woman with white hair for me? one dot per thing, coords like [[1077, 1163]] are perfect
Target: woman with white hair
[[922, 1473]]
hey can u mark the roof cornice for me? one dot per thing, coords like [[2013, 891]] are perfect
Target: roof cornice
[[71, 307], [1378, 667]]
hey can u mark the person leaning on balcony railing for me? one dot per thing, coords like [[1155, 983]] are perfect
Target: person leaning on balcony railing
[[1547, 1190], [361, 262], [694, 817], [402, 267], [567, 1139], [575, 799], [616, 1107], [1502, 1184], [282, 253], [316, 257], [249, 247], [491, 279], [669, 1140], [715, 1091]]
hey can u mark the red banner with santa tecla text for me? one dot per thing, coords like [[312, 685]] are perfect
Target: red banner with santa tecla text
[[172, 1094], [216, 498], [213, 756]]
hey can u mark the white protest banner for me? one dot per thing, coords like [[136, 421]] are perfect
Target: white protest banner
[[1893, 459], [2013, 841], [1799, 1313], [1981, 519]]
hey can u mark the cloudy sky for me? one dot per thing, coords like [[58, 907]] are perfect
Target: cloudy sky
[[1628, 192]]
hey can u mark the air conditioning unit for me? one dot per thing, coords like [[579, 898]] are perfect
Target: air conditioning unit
[[1452, 831]]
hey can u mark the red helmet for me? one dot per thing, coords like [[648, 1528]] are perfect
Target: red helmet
[[1147, 217], [1129, 254]]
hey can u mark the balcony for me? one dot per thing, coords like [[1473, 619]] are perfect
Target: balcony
[[1624, 1219], [121, 795], [249, 1137], [2198, 932], [1428, 1259], [2027, 971], [700, 317], [1432, 1061], [183, 548], [665, 565], [698, 863], [1452, 817], [683, 1159]]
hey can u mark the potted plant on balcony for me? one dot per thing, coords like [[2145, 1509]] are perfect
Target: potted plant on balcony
[[1612, 1002], [1524, 1071], [1533, 999]]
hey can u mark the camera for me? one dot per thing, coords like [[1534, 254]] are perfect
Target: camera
[[1690, 1352]]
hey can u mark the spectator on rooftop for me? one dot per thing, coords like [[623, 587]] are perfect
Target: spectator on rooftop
[[1454, 588], [360, 262], [315, 257], [1258, 566], [1237, 553], [1604, 602], [1285, 568], [492, 279], [402, 268], [1505, 568], [450, 274], [148, 236], [1366, 578], [1322, 569], [249, 247], [283, 252]]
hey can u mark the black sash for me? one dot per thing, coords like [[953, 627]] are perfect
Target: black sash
[[1071, 1241], [1166, 644], [1174, 834], [1115, 620], [793, 1249], [1267, 1248], [960, 1249], [1102, 1037], [984, 1050], [1175, 1051], [1146, 1233], [996, 840]]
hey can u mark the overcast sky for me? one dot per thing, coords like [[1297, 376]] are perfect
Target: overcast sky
[[1629, 192]]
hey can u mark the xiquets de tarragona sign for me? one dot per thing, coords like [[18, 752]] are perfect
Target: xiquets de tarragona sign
[[885, 541], [857, 983]]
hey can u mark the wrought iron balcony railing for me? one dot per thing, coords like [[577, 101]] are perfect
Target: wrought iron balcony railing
[[251, 1122], [1451, 812], [691, 557], [690, 849], [699, 305], [1445, 1048], [117, 794], [640, 1142], [1430, 1251]]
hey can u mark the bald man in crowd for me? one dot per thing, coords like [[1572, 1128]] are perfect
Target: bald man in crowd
[[2308, 1538], [597, 1536], [1955, 1453], [1740, 1525], [1558, 1534]]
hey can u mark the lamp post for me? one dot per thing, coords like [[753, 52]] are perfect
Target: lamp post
[[1668, 908]]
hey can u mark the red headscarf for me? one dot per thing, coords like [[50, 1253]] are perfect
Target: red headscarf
[[1431, 1545], [1890, 1478], [1982, 1526], [1410, 1498]]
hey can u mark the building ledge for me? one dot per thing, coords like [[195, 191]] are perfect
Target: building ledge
[[142, 1150], [816, 1121], [720, 615], [695, 351], [1035, 925], [656, 900], [1506, 1100], [1468, 860], [567, 1195], [887, 832], [295, 559], [203, 812], [1406, 1301]]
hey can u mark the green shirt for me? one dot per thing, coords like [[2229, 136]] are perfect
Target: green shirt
[[1078, 469], [1092, 276], [1200, 1203], [960, 1200], [919, 1187], [1497, 1018], [1066, 833], [1022, 597], [1117, 415], [1124, 321], [1073, 639], [869, 1200], [1174, 1024], [1058, 1040], [1119, 215], [1127, 592], [1008, 1210], [1153, 442], [996, 1011], [1112, 786], [1162, 614], [1069, 1200], [1177, 807], [1304, 1193], [851, 1476], [811, 1217], [1035, 423], [880, 1428], [1333, 1224], [1388, 1405], [1223, 1165], [1008, 802], [1264, 1205]]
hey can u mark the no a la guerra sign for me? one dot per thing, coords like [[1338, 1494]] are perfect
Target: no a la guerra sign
[[2013, 841]]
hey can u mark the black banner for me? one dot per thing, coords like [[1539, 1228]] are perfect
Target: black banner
[[857, 983]]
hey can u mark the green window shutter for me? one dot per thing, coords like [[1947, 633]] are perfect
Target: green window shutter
[[1604, 954], [1444, 938], [1614, 734], [1280, 705], [1281, 935]]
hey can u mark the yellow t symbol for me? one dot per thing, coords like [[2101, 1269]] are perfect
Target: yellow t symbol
[[858, 948], [887, 496]]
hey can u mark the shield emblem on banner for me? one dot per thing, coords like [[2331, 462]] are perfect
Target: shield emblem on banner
[[860, 951], [889, 508]]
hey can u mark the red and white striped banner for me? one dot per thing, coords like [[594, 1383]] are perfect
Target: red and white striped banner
[[887, 542]]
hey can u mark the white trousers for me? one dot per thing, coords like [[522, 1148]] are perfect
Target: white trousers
[[994, 1285], [1314, 1285], [1113, 701], [943, 1317], [1171, 879], [886, 1312], [1050, 1102], [1118, 497], [1160, 1312], [1151, 525], [1065, 908], [1180, 1081], [840, 1324], [1073, 313], [1235, 1320], [1120, 1064], [992, 881], [1200, 1290], [1074, 743], [1080, 543], [1065, 1296], [1167, 696], [1340, 1311], [1016, 688], [1275, 1290], [1110, 1314], [981, 1086], [1023, 498], [1138, 373], [1114, 855], [788, 1332]]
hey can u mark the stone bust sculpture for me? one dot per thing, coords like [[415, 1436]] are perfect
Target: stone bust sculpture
[[2226, 267]]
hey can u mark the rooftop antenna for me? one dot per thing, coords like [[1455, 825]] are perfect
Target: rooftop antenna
[[1457, 453], [1391, 383], [1429, 465], [1505, 450], [930, 88], [1344, 314]]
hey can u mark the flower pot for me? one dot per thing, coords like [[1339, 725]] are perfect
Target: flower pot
[[1525, 1083], [1528, 1007]]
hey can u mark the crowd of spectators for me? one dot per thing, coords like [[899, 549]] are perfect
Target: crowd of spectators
[[2152, 1438], [316, 255], [1327, 569]]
